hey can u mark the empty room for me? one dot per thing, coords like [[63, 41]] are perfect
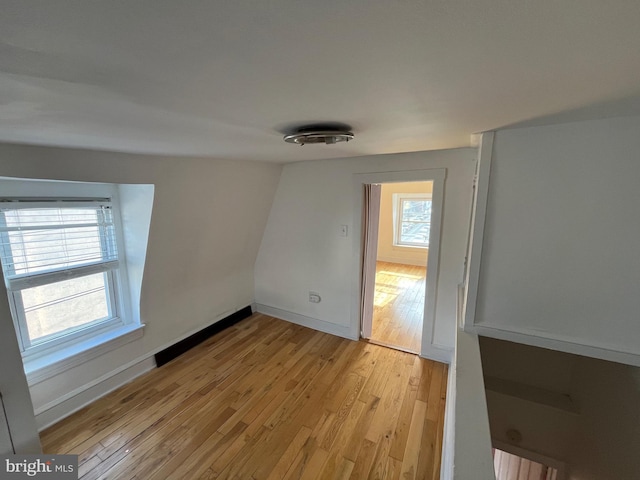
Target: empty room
[[311, 240]]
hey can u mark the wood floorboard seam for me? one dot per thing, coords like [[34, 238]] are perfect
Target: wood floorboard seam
[[266, 399]]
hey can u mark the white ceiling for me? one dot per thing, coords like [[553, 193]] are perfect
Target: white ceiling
[[225, 78]]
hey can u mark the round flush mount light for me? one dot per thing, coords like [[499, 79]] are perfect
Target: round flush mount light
[[313, 136]]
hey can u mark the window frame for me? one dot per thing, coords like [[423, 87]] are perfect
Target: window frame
[[116, 286], [398, 200]]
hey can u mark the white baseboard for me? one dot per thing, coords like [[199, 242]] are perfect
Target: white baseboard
[[79, 398], [314, 323], [437, 353], [448, 437], [565, 344]]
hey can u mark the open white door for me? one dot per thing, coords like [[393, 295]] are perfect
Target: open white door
[[370, 224]]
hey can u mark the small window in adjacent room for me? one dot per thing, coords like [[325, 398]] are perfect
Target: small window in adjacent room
[[62, 268], [412, 219]]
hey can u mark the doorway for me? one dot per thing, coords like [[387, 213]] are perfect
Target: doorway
[[402, 247], [399, 249]]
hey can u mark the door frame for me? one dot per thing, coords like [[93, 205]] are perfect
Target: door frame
[[428, 349]]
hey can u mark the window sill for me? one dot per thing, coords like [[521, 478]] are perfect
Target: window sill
[[55, 363], [417, 247]]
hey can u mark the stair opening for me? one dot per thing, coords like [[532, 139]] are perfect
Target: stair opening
[[514, 467]]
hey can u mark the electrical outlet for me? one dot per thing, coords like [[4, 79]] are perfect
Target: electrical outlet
[[314, 297]]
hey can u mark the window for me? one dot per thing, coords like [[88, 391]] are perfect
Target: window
[[412, 219], [61, 268]]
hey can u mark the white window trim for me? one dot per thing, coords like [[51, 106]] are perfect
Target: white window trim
[[46, 366], [80, 334], [62, 354], [397, 220]]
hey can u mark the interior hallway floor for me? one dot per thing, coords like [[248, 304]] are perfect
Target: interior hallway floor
[[266, 399], [398, 305]]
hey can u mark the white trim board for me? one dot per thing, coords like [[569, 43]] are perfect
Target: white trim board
[[478, 219], [437, 353], [449, 428], [568, 344], [471, 436], [310, 322]]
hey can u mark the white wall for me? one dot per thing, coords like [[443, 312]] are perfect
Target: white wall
[[207, 222], [387, 251], [302, 249], [136, 208], [560, 265]]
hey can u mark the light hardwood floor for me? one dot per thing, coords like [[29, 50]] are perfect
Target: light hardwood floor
[[398, 305], [266, 399]]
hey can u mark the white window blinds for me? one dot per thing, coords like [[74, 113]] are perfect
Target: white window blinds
[[42, 242]]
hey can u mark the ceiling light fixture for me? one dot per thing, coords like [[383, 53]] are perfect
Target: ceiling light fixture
[[312, 136]]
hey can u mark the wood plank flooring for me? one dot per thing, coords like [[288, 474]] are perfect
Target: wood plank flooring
[[266, 399], [398, 305]]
